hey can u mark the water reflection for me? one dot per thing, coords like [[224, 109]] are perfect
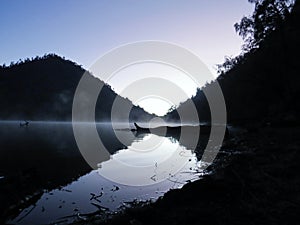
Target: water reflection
[[143, 168], [147, 161]]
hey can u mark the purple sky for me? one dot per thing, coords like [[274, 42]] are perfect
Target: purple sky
[[84, 30]]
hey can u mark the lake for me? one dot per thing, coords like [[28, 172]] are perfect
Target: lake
[[45, 178]]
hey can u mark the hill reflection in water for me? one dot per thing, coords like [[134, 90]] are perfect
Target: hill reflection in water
[[139, 171]]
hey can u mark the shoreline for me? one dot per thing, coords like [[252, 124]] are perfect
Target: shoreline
[[254, 180]]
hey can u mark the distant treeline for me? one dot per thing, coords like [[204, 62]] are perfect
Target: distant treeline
[[42, 88], [263, 83]]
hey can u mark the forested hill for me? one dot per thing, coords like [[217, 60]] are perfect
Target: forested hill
[[43, 88], [263, 83]]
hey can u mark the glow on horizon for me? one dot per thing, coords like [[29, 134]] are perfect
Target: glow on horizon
[[144, 79], [155, 105]]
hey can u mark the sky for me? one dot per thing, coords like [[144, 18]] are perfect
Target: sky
[[82, 31]]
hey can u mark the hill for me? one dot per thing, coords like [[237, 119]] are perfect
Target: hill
[[43, 88], [263, 84]]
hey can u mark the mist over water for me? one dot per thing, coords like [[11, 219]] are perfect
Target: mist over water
[[47, 153]]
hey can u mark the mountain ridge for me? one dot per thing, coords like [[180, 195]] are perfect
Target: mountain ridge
[[42, 88]]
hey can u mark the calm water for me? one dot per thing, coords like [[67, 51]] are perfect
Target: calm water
[[141, 167]]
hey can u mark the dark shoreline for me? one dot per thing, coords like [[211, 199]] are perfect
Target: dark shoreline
[[254, 180]]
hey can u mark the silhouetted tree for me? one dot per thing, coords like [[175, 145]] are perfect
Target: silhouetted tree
[[268, 15], [229, 63]]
